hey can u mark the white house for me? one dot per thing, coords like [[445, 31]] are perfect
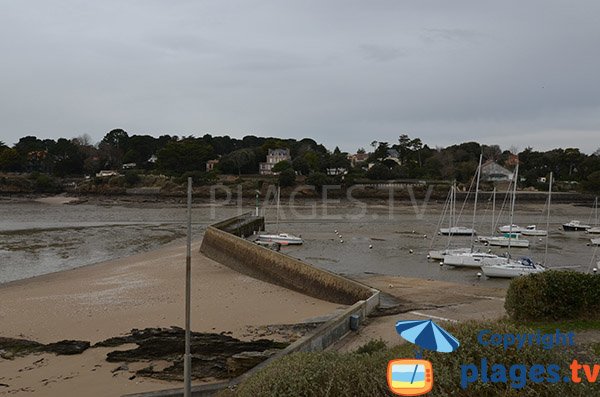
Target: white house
[[273, 157], [493, 172]]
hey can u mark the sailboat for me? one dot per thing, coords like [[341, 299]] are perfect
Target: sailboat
[[595, 229], [522, 266], [281, 238], [454, 230], [510, 238], [532, 230], [512, 268], [439, 254], [471, 258]]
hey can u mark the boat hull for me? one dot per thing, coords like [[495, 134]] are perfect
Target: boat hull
[[440, 254], [539, 233], [505, 242], [509, 271], [471, 260], [457, 231], [290, 240]]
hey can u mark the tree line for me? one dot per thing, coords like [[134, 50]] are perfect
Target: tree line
[[407, 158]]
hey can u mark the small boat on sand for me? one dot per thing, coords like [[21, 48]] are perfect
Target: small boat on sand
[[575, 226]]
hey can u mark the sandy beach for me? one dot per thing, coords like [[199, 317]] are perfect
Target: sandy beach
[[100, 301]]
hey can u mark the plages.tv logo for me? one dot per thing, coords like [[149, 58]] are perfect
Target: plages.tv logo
[[414, 377]]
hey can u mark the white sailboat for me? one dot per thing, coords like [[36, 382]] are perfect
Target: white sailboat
[[439, 254], [514, 268], [281, 238], [510, 238], [596, 228], [454, 230], [471, 258], [532, 230]]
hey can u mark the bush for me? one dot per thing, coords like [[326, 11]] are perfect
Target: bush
[[132, 178], [354, 374], [554, 295]]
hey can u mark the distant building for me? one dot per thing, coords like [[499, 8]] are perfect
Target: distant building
[[106, 173], [273, 157], [493, 172], [152, 159], [393, 155], [357, 158], [337, 171], [210, 165], [128, 166]]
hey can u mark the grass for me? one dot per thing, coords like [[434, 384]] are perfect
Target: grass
[[362, 373]]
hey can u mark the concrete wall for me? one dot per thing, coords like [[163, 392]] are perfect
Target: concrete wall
[[274, 267]]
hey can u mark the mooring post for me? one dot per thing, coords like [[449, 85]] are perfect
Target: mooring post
[[187, 359]]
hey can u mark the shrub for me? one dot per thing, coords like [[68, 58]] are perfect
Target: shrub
[[372, 346], [132, 178], [554, 295], [354, 374]]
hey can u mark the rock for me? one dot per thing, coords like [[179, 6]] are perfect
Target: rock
[[67, 347], [123, 367]]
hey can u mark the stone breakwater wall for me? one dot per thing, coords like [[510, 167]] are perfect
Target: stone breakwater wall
[[222, 244]]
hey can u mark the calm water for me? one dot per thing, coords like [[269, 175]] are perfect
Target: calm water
[[38, 238]]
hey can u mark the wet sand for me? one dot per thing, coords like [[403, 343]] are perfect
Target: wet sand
[[147, 290]]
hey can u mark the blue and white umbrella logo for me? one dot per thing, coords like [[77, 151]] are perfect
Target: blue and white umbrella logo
[[427, 335]]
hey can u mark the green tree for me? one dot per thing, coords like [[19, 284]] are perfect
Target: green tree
[[66, 157], [379, 172], [282, 166], [301, 165], [11, 161], [239, 162], [188, 154], [287, 177], [318, 180]]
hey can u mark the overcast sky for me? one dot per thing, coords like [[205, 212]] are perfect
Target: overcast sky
[[513, 73]]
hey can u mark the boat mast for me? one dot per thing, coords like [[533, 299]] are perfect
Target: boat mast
[[493, 211], [475, 205], [548, 219], [512, 207], [277, 222]]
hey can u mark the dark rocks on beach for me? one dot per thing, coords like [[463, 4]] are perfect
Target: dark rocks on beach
[[213, 355], [12, 347], [67, 347]]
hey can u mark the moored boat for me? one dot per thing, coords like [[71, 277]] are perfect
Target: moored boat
[[508, 241], [575, 226], [512, 268], [281, 238], [440, 254], [471, 259], [458, 231], [510, 229], [532, 230]]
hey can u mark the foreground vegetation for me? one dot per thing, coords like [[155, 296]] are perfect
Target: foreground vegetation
[[363, 373]]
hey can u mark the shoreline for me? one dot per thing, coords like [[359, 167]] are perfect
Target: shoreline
[[108, 299]]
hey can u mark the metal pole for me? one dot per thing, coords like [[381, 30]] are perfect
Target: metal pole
[[187, 363]]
